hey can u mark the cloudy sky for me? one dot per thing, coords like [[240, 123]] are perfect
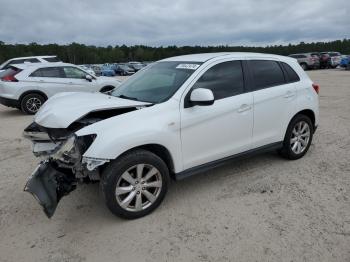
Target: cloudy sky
[[177, 22]]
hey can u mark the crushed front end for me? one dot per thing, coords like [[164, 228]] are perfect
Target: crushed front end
[[62, 164]]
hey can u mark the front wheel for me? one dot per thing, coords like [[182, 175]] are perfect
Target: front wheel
[[135, 184], [298, 138]]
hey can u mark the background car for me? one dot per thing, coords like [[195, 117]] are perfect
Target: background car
[[136, 66], [124, 70], [27, 87], [307, 60], [88, 69], [333, 59], [108, 70], [345, 61], [96, 69], [29, 59]]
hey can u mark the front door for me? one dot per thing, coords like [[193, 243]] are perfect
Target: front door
[[209, 133]]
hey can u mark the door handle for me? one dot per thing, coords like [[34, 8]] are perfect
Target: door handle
[[289, 94], [244, 108]]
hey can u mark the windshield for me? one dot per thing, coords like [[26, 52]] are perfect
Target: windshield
[[156, 83]]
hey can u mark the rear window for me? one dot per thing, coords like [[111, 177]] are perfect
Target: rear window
[[52, 59], [266, 73], [292, 76], [9, 71]]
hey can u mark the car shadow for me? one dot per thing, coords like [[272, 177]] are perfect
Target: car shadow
[[10, 112], [90, 200]]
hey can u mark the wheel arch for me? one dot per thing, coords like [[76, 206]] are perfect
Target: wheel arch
[[307, 112], [109, 87], [38, 92], [159, 150]]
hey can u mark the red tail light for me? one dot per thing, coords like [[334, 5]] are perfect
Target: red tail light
[[9, 75], [9, 78], [316, 88]]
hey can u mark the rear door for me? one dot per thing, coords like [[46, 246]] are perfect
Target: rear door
[[50, 80], [274, 101]]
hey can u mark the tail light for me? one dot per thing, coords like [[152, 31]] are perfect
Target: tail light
[[316, 88], [9, 76]]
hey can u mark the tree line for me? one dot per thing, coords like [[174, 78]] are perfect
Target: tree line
[[87, 54]]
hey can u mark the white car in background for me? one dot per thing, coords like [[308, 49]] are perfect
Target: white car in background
[[29, 60], [28, 86]]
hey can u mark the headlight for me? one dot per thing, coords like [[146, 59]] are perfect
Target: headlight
[[67, 151]]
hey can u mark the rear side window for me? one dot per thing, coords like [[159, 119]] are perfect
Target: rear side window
[[48, 72], [292, 76], [9, 71], [225, 79], [32, 60], [266, 73], [52, 59]]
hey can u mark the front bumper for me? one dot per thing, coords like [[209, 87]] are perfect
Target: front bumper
[[9, 102], [48, 185]]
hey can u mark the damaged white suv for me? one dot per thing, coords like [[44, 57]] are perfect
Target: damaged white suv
[[175, 118]]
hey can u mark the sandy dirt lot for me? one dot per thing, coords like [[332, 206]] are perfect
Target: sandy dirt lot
[[260, 209]]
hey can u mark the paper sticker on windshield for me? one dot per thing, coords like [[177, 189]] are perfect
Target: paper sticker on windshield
[[188, 66]]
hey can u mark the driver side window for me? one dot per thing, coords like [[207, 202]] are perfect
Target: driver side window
[[72, 72], [224, 79]]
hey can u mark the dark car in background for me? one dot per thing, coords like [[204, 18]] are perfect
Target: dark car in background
[[307, 60], [330, 59]]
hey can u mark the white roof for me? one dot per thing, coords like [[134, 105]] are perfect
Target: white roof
[[208, 56], [28, 57], [40, 65]]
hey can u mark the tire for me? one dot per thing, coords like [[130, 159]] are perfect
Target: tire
[[290, 150], [122, 187], [31, 103], [304, 66]]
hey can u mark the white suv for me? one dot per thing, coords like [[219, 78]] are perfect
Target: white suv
[[177, 117], [27, 87], [29, 60]]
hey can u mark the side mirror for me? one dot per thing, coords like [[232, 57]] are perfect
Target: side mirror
[[88, 78], [202, 97]]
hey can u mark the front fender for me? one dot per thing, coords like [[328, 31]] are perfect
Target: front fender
[[159, 124]]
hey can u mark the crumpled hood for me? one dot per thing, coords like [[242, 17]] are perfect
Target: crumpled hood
[[64, 108]]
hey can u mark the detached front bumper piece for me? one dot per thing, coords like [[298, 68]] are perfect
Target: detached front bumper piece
[[48, 185]]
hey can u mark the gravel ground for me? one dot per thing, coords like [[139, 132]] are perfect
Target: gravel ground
[[260, 209]]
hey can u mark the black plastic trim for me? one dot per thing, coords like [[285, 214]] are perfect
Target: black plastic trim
[[9, 102], [205, 167]]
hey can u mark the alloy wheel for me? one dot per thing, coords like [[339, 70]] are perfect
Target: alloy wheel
[[33, 104], [138, 187], [300, 137]]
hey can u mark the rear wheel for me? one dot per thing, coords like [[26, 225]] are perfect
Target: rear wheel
[[298, 138], [31, 103], [135, 184]]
